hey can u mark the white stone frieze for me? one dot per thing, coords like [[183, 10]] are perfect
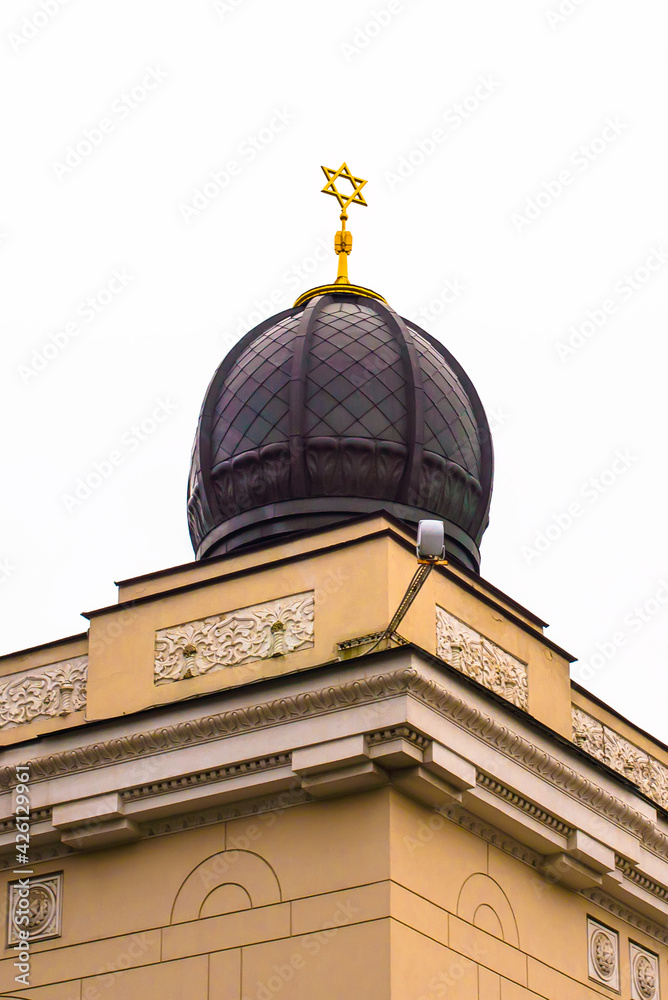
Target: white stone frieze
[[648, 773], [478, 657], [56, 689], [259, 632]]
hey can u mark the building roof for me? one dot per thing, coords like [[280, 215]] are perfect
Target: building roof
[[331, 409]]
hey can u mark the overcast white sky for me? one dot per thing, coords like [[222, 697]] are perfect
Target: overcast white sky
[[161, 194]]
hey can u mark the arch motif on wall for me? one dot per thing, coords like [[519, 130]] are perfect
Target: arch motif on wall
[[481, 894], [245, 873]]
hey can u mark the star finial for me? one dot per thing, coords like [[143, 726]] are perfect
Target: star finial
[[356, 198], [343, 241]]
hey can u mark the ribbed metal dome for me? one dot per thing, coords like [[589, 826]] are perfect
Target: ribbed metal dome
[[332, 409]]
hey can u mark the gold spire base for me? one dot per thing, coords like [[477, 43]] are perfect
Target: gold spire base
[[342, 274], [338, 288], [343, 240]]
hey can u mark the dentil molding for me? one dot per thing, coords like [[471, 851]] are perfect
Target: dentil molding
[[637, 920], [360, 691], [451, 704]]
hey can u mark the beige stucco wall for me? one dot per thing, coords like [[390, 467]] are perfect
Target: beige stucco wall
[[358, 575], [367, 895], [371, 896]]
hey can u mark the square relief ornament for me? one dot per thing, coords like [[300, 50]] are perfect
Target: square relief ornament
[[644, 968], [35, 912], [603, 954]]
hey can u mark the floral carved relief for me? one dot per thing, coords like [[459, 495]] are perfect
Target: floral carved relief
[[587, 732], [466, 650], [40, 913], [644, 973], [57, 689], [648, 773], [243, 636], [603, 954]]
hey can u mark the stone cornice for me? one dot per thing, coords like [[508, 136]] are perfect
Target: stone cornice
[[530, 808], [625, 913], [534, 759], [411, 758], [207, 777], [213, 727], [407, 733], [648, 884], [360, 691], [296, 796], [176, 823], [535, 860], [36, 816], [504, 842]]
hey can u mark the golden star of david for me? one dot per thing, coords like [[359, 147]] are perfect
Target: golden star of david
[[356, 198]]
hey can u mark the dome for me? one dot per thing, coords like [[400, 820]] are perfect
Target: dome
[[335, 408]]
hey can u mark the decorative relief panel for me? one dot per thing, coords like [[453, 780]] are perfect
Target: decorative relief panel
[[466, 650], [57, 689], [243, 636], [603, 954], [43, 909], [649, 774], [644, 967]]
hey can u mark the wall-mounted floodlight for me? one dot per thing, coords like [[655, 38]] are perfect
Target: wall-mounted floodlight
[[430, 552], [431, 542]]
